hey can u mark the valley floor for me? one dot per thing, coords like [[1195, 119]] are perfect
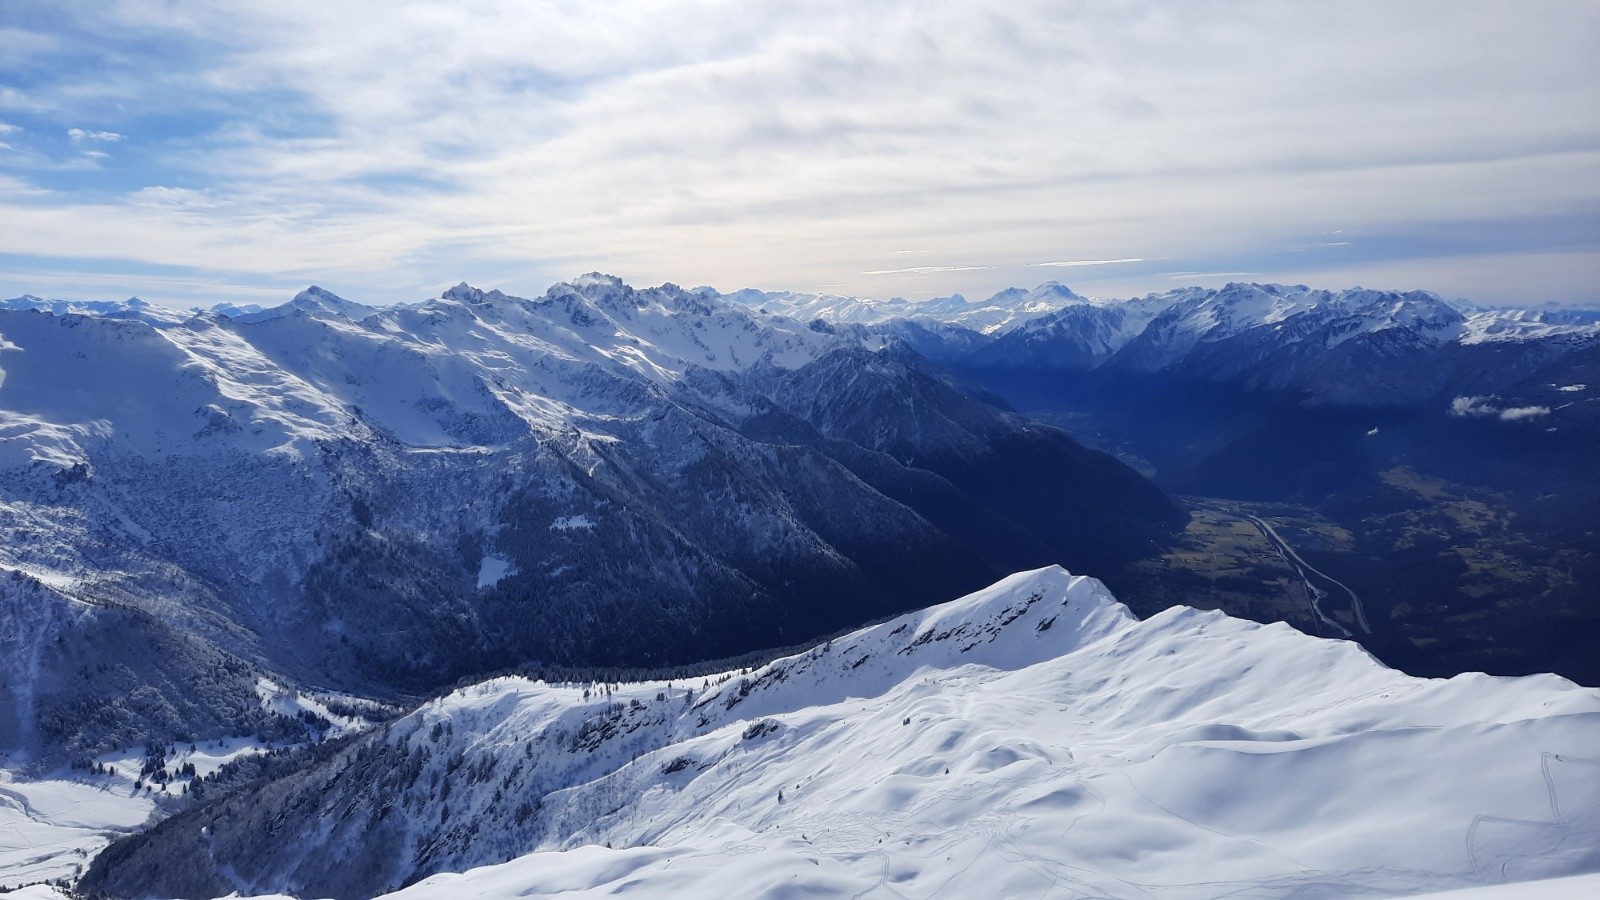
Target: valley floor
[[51, 828]]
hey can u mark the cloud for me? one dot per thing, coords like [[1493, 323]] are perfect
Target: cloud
[[8, 128], [1072, 263], [923, 269], [729, 142], [1484, 407], [1471, 406], [79, 135]]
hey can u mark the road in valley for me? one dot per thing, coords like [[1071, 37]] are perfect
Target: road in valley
[[1310, 575]]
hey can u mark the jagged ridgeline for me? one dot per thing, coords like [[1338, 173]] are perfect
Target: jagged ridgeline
[[384, 501]]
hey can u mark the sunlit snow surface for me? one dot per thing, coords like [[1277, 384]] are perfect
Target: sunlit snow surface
[[1034, 739], [49, 828]]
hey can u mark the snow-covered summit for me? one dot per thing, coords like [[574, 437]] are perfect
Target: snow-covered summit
[[1484, 326], [994, 315], [313, 301], [1030, 737], [466, 293]]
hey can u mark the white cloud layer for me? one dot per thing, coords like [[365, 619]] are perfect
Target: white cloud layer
[[402, 146]]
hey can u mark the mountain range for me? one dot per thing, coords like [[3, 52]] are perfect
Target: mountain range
[[576, 594], [387, 500]]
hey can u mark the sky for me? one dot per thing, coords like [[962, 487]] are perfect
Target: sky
[[195, 152]]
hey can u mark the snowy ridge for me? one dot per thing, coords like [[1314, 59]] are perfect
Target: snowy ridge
[[469, 368], [1348, 348], [1052, 323], [997, 314], [1497, 325], [131, 308], [1033, 736], [466, 371]]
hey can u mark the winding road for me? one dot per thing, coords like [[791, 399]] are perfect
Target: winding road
[[1306, 571]]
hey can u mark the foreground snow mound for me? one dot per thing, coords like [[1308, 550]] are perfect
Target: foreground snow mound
[[1029, 737]]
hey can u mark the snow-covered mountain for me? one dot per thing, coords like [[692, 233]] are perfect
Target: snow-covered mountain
[[133, 307], [1194, 314], [385, 500], [997, 314], [1030, 738], [1352, 347]]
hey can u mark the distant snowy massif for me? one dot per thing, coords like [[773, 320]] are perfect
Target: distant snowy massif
[[222, 529], [1351, 347]]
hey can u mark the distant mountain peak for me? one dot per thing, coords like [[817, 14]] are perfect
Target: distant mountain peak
[[466, 293], [318, 295], [597, 278]]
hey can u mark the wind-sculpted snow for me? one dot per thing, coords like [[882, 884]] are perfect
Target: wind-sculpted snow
[[1033, 737], [385, 500]]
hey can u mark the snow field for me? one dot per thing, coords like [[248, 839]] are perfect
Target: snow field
[[973, 750]]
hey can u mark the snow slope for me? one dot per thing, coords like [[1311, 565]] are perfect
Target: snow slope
[[1576, 887], [1030, 739], [50, 828]]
